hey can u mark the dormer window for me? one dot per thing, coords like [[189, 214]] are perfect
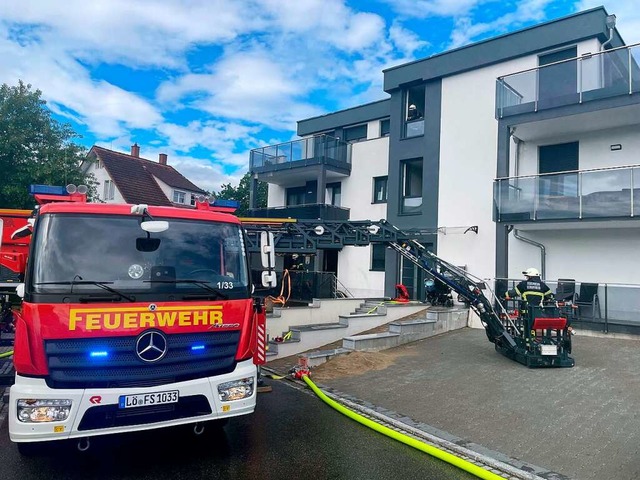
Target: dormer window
[[179, 197]]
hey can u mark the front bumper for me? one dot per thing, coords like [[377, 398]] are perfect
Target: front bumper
[[96, 412]]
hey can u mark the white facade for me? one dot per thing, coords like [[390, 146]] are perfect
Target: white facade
[[102, 176], [597, 252], [369, 159]]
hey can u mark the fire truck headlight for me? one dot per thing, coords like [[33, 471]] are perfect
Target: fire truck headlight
[[236, 390], [41, 411]]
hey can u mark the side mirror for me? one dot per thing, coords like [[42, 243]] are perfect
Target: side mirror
[[154, 226]]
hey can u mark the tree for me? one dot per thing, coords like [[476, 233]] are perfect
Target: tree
[[34, 147], [241, 193]]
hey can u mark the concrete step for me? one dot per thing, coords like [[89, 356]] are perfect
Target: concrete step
[[438, 320], [372, 342], [318, 357]]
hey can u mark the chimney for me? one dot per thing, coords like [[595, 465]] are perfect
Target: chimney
[[135, 150], [163, 159]]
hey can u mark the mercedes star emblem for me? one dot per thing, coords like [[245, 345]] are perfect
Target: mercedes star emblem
[[151, 346]]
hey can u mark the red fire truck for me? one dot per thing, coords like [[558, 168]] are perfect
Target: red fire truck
[[134, 317]]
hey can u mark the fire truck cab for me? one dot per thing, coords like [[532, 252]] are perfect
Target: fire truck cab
[[134, 317]]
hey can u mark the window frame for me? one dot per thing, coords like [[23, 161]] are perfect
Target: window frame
[[374, 264], [353, 128], [407, 185], [181, 194], [384, 189]]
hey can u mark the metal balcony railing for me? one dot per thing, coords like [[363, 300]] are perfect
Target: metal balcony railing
[[588, 77], [321, 149], [598, 193]]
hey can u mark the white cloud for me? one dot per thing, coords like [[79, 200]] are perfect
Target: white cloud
[[466, 30]]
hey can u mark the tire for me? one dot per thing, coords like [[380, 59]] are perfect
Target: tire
[[30, 449]]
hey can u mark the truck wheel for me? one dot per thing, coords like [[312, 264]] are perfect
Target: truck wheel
[[29, 449]]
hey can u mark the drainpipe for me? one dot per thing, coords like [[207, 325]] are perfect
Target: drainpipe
[[543, 253], [610, 22]]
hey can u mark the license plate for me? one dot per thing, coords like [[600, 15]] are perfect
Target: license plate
[[548, 349], [146, 399]]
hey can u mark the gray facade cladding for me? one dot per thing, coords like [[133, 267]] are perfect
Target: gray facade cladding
[[351, 116]]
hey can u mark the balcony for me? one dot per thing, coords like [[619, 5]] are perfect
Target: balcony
[[586, 195], [291, 158], [590, 77], [303, 212]]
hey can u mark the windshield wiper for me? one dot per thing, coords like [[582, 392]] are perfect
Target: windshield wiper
[[200, 283], [102, 285]]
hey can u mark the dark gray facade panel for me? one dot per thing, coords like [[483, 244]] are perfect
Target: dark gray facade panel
[[502, 251], [342, 118], [502, 234], [546, 36], [426, 147]]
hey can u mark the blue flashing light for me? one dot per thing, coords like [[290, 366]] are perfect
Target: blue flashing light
[[196, 348], [99, 354], [47, 190], [221, 202]]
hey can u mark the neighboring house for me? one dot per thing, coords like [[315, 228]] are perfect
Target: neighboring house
[[531, 135], [131, 179]]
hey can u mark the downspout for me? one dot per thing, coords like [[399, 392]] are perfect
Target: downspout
[[543, 252]]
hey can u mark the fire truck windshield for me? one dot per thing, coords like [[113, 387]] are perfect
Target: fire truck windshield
[[75, 255]]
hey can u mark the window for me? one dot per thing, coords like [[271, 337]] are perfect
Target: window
[[296, 196], [377, 257], [385, 127], [355, 134], [193, 199], [179, 197], [380, 189], [411, 186], [414, 111], [109, 190], [333, 194]]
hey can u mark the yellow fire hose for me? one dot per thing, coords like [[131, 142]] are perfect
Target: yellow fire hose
[[6, 354], [400, 437]]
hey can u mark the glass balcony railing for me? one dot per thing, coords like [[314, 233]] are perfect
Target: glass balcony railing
[[604, 74], [321, 149], [585, 194]]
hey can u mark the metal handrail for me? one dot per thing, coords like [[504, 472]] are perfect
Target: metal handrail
[[532, 69], [276, 145], [600, 169]]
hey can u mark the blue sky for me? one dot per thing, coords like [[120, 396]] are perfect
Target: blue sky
[[205, 81]]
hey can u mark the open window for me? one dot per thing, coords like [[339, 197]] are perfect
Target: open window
[[414, 111]]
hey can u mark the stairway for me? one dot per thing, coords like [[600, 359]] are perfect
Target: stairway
[[324, 330], [436, 321]]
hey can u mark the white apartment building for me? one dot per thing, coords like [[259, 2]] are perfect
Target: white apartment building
[[529, 136]]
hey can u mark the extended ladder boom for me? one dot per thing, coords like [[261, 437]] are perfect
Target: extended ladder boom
[[513, 341]]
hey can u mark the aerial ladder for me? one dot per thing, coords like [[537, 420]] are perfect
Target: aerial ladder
[[533, 336]]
